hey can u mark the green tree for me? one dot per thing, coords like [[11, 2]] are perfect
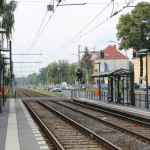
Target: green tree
[[65, 73], [87, 64], [7, 16], [133, 32], [1, 3], [32, 79]]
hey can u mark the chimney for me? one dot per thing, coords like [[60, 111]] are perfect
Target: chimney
[[114, 46]]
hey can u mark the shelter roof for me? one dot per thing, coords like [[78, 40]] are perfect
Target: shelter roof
[[118, 72]]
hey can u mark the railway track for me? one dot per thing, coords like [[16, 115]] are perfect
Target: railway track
[[128, 125], [64, 132], [110, 130], [125, 133], [22, 92]]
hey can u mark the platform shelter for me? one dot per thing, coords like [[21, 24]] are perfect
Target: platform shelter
[[120, 86]]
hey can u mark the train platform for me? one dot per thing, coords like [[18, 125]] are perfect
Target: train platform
[[19, 132], [17, 129], [135, 111]]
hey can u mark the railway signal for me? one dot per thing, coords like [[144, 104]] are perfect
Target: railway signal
[[79, 74]]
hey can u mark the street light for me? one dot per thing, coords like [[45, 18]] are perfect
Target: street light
[[143, 21], [78, 67], [145, 52], [47, 77], [114, 42], [2, 30], [59, 75]]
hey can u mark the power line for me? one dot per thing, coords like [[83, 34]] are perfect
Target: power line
[[29, 1], [38, 31], [71, 4], [26, 62], [86, 25], [27, 54], [45, 26], [67, 43]]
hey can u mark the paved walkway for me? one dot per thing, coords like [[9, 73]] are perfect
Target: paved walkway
[[17, 129], [12, 139]]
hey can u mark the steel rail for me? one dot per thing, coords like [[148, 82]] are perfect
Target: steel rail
[[48, 132], [79, 126], [143, 138], [31, 93], [115, 113]]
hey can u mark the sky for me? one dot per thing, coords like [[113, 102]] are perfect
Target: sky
[[41, 37]]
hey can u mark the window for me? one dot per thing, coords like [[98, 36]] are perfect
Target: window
[[107, 55], [117, 54]]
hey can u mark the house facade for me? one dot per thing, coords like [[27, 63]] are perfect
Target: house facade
[[113, 60], [137, 70]]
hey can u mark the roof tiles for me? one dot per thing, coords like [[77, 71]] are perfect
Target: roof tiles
[[111, 53]]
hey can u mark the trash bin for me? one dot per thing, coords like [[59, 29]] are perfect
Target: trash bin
[[97, 91]]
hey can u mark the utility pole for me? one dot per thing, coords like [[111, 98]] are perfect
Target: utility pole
[[79, 69], [11, 70]]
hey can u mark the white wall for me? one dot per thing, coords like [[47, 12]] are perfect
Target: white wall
[[112, 64]]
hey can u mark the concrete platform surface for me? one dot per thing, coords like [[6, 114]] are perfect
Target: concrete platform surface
[[143, 113], [17, 129]]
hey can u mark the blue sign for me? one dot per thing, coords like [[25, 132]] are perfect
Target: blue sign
[[103, 86]]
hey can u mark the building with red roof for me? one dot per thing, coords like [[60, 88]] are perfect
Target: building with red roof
[[113, 60]]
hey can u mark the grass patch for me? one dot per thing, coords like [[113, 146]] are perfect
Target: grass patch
[[47, 92]]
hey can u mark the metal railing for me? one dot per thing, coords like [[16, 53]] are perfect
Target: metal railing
[[140, 99]]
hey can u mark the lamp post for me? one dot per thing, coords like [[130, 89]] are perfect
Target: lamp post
[[78, 67], [145, 52], [58, 74], [47, 77], [143, 21]]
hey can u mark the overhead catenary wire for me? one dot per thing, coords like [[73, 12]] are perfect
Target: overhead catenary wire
[[83, 34], [86, 25], [115, 13], [79, 33], [38, 30], [40, 33]]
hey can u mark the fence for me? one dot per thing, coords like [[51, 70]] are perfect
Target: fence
[[140, 99]]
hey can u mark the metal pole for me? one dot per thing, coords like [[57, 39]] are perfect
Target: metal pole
[[147, 105], [0, 84], [12, 78], [69, 74], [61, 77], [11, 86], [0, 68], [47, 81], [79, 68], [3, 82], [78, 56]]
